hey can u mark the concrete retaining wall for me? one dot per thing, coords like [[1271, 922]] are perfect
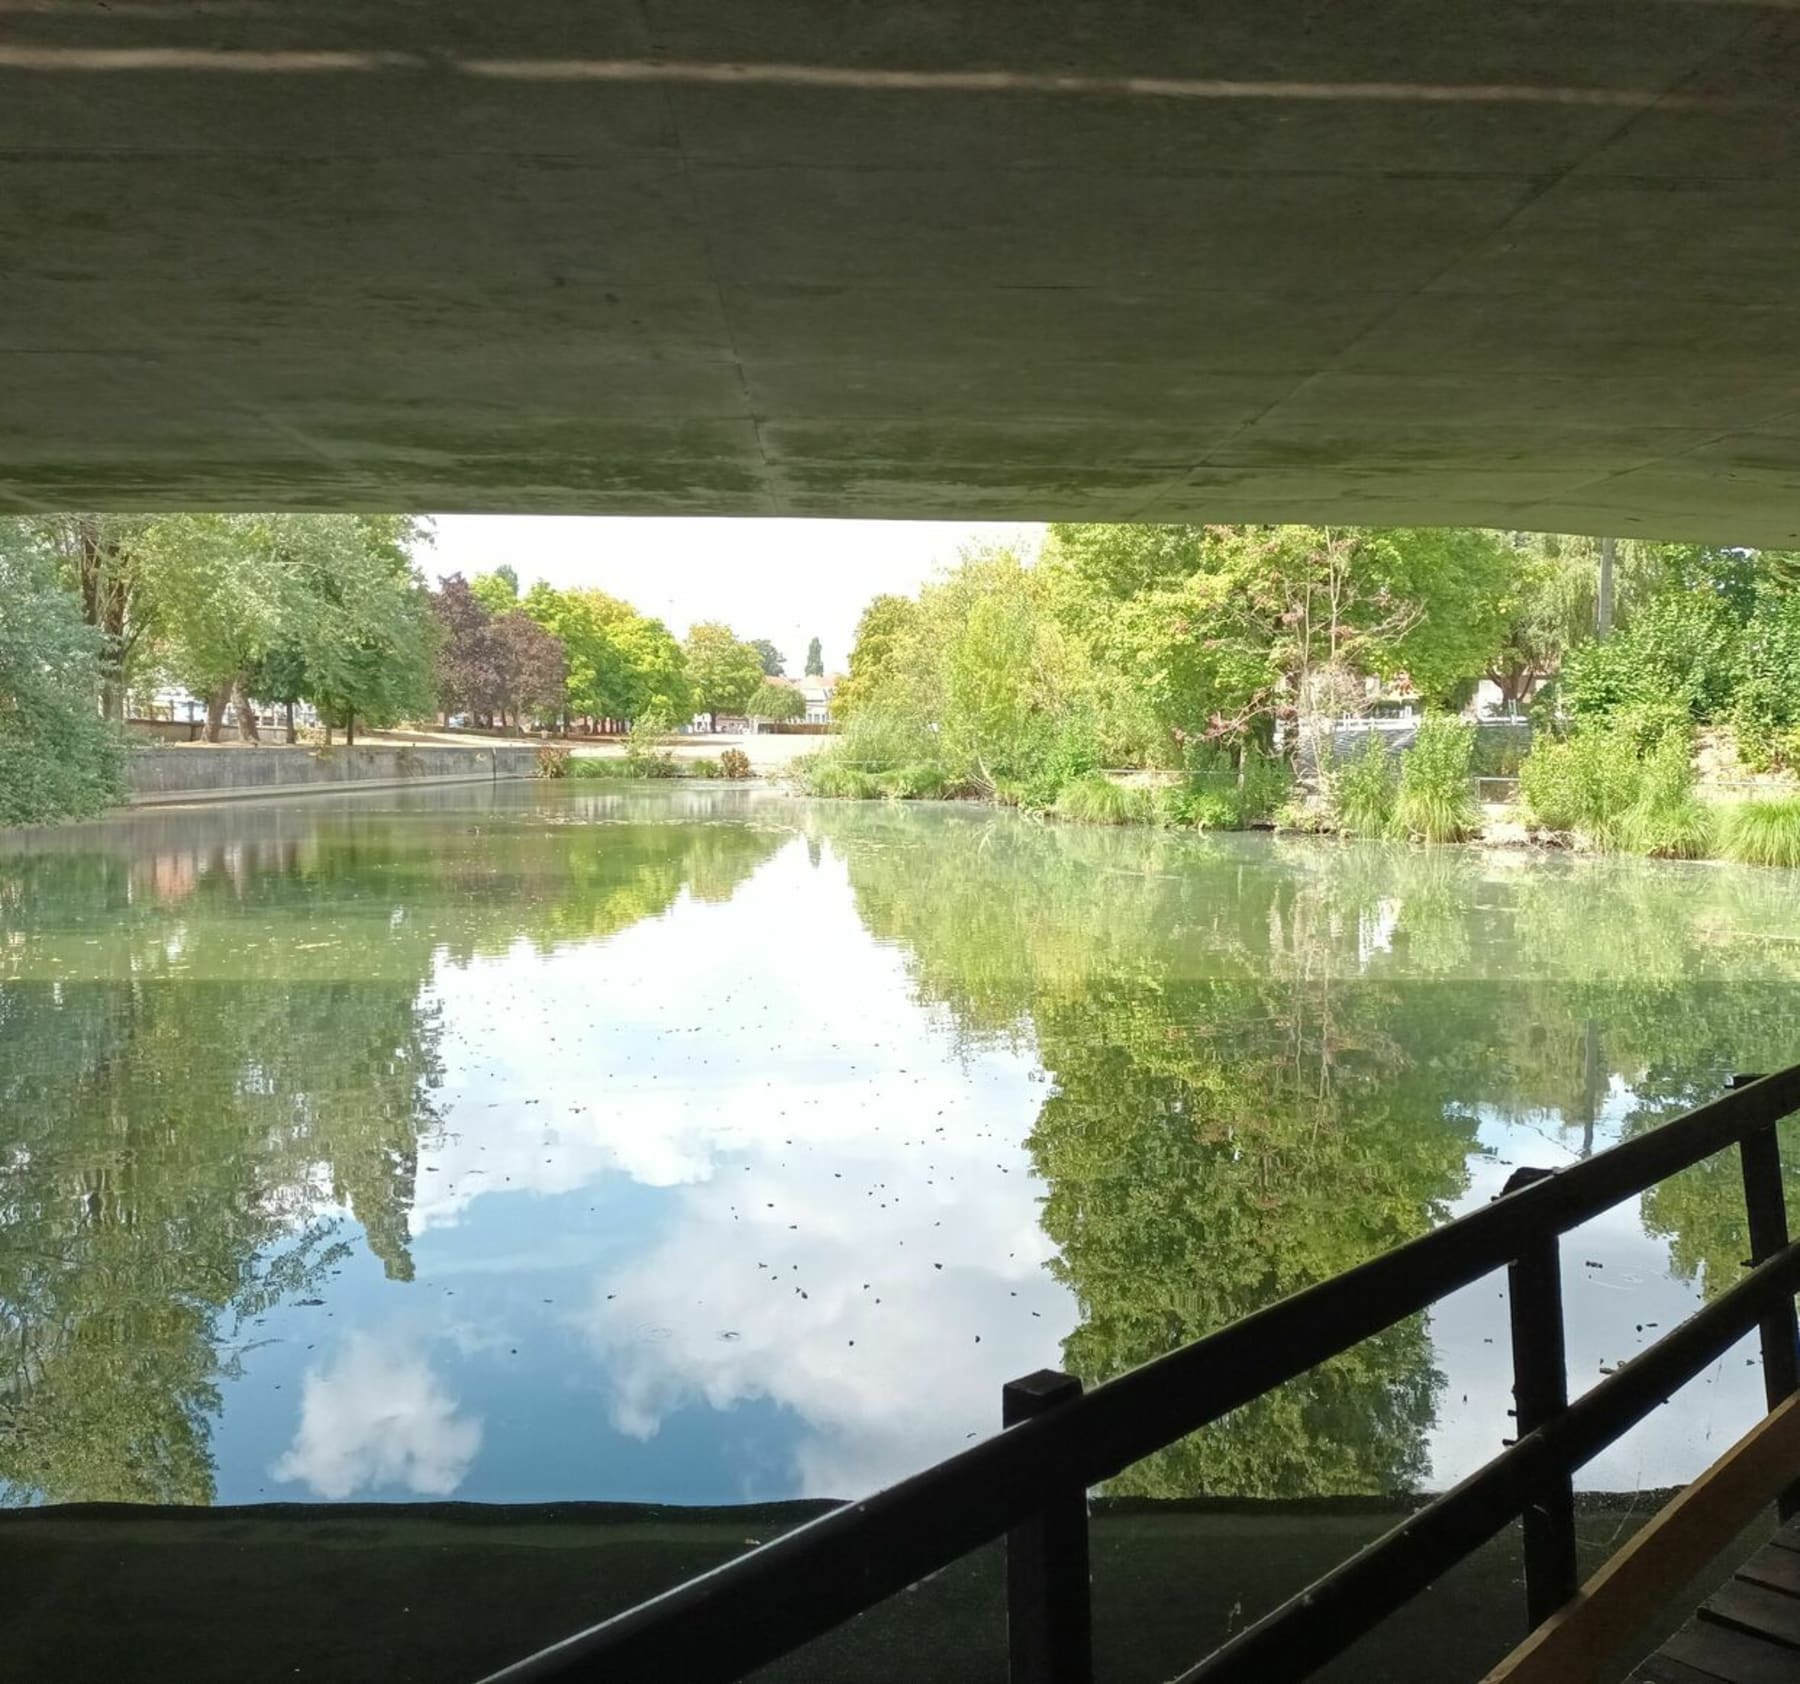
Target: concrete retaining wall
[[215, 774]]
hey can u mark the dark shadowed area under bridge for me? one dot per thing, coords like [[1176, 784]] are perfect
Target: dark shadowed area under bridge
[[1515, 262]]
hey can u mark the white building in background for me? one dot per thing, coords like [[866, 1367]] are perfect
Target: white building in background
[[817, 693], [174, 703]]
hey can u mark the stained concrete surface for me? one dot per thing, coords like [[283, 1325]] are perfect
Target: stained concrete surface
[[1526, 262], [444, 1593], [192, 772]]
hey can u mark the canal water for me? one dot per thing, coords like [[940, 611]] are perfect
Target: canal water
[[707, 1146]]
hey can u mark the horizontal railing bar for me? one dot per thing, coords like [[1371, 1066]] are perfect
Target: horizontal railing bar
[[1330, 1614], [751, 1610]]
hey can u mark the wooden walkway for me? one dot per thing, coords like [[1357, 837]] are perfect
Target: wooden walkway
[[1748, 1632]]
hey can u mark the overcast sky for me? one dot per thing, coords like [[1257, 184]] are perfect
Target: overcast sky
[[787, 580]]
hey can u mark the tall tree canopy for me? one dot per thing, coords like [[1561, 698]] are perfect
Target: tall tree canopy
[[326, 608], [724, 672], [815, 660], [58, 758], [494, 664], [882, 635], [102, 559], [773, 664], [776, 701], [621, 664], [1221, 628], [497, 591]]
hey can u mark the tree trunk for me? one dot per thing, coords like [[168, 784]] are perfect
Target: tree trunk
[[215, 711], [246, 714], [293, 734], [103, 605], [350, 729]]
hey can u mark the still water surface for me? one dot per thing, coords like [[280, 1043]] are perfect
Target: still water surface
[[706, 1146]]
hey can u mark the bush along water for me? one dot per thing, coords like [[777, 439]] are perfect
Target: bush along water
[[1435, 801], [1360, 791], [1623, 783], [1666, 820], [1763, 832], [878, 755], [1095, 799], [1213, 794]]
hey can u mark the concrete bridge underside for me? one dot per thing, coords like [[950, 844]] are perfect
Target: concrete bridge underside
[[1495, 261]]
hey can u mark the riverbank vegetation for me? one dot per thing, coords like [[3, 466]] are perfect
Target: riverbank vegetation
[[57, 756], [326, 616], [1203, 677]]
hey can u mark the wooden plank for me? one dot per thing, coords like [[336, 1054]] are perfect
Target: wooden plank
[[1586, 1639], [1788, 1538], [1734, 1656], [1777, 1568], [1752, 1608]]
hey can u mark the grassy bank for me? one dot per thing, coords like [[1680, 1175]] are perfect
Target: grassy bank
[[1624, 786], [640, 760]]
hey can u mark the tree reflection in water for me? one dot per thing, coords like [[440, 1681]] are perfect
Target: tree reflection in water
[[219, 1033], [1269, 1060]]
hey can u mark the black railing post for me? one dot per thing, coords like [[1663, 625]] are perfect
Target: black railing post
[[1049, 1635], [1765, 1204], [1540, 1394]]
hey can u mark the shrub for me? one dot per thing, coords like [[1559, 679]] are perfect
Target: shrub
[[1223, 797], [1627, 783], [1685, 832], [650, 763], [552, 761], [1763, 832], [703, 768], [58, 758], [1666, 820], [832, 778], [876, 743], [1680, 648], [1360, 791], [878, 740], [1585, 782], [921, 781], [734, 763], [1435, 802], [1095, 799], [592, 767]]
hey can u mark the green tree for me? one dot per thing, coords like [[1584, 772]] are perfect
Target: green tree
[[1679, 648], [724, 673], [226, 593], [596, 683], [882, 638], [1221, 629], [658, 683], [498, 591], [773, 664], [103, 561], [815, 660], [778, 702], [363, 630], [58, 758], [324, 607]]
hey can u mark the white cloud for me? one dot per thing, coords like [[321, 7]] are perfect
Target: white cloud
[[797, 1109], [377, 1416]]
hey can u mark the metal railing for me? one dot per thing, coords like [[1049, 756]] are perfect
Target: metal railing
[[1029, 1483]]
